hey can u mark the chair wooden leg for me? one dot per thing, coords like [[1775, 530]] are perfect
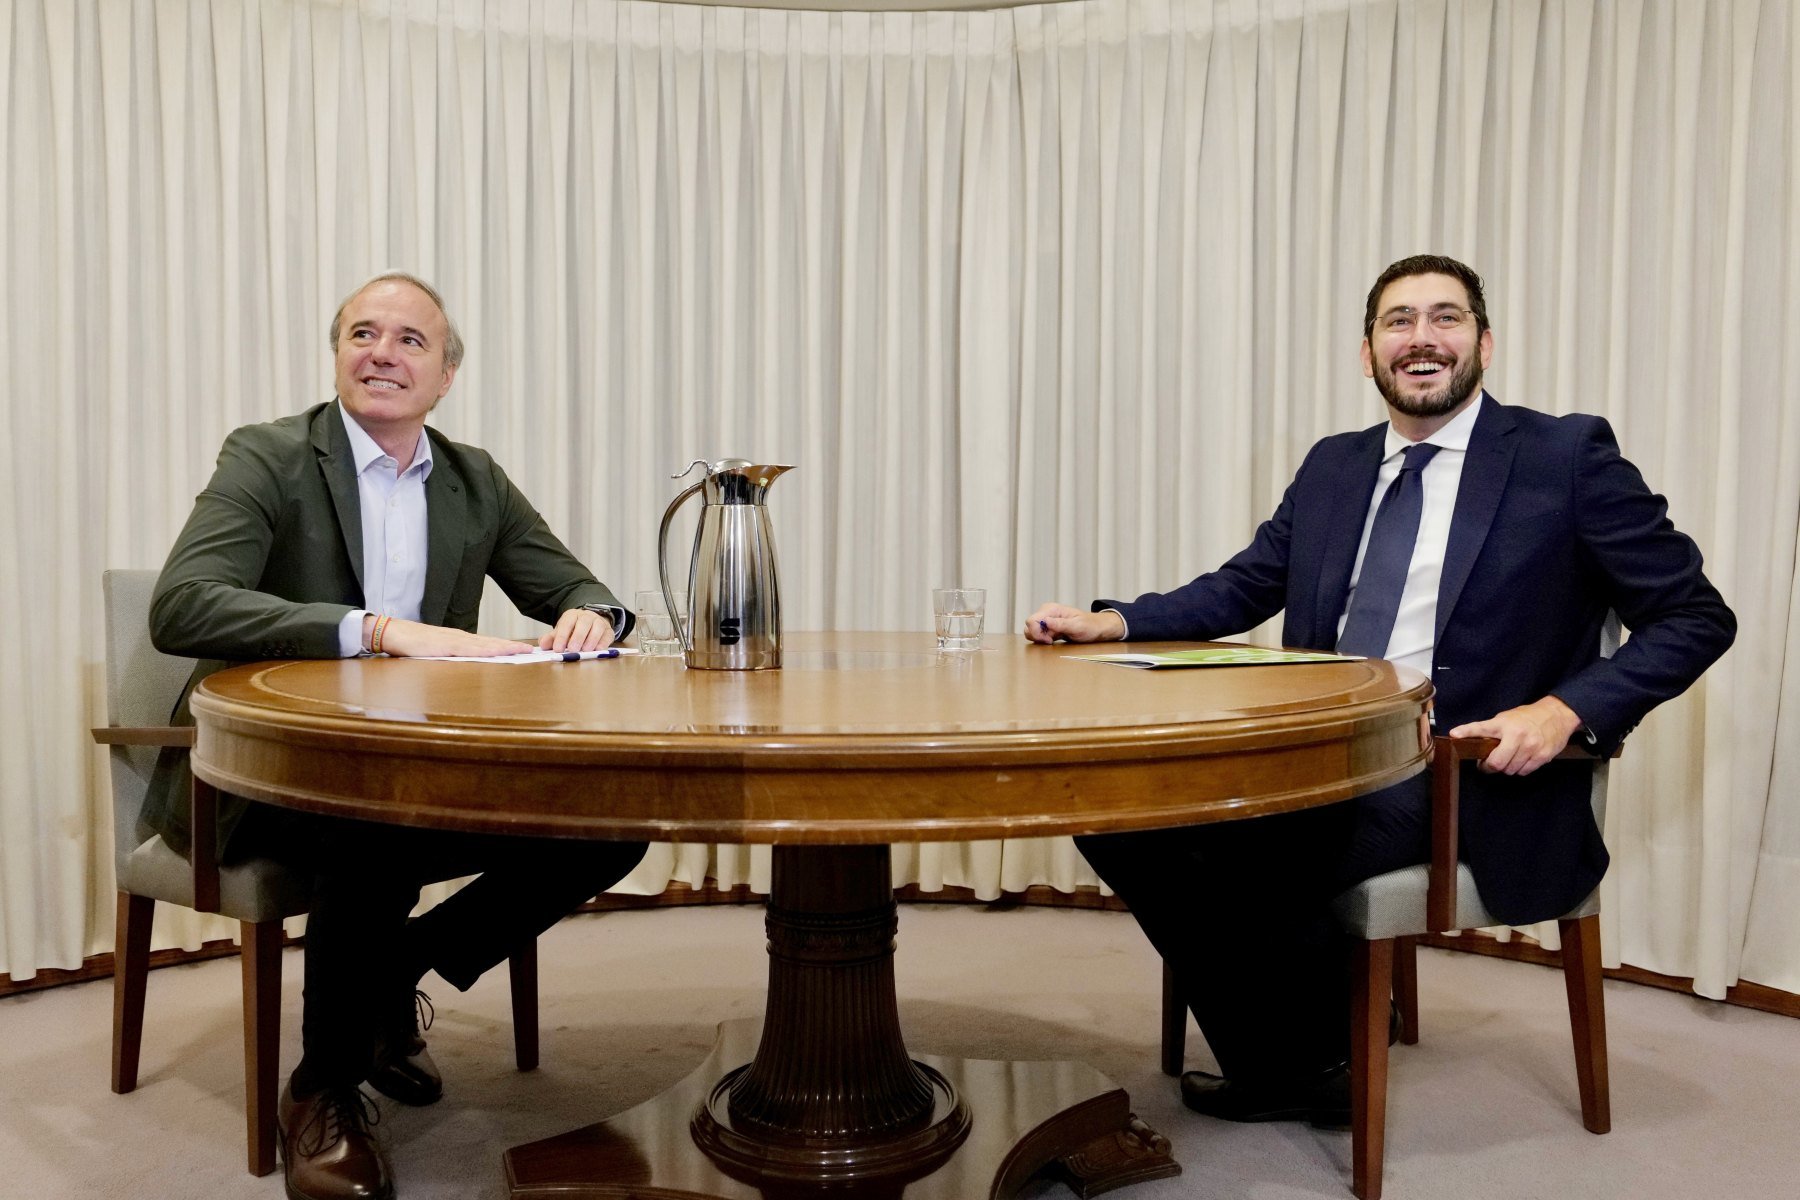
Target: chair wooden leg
[[1174, 1023], [261, 965], [131, 969], [523, 968], [1587, 1019], [1373, 982], [1406, 987]]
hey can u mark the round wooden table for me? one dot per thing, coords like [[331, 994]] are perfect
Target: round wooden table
[[861, 740]]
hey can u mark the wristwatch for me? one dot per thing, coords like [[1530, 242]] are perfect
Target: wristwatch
[[614, 614]]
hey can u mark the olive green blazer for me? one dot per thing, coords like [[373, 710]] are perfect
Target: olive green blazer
[[271, 560]]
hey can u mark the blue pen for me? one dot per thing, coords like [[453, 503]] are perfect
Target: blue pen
[[577, 656]]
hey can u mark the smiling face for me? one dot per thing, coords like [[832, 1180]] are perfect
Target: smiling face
[[1424, 371], [391, 368]]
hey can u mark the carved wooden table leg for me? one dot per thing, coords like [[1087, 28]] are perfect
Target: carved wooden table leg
[[832, 1093], [831, 1104]]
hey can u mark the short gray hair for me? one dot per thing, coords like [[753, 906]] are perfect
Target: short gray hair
[[453, 343]]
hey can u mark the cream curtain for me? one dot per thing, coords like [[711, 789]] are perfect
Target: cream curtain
[[1050, 298]]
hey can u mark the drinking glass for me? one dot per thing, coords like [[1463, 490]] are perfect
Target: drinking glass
[[959, 612], [655, 630]]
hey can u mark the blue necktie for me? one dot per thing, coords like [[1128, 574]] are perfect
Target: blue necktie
[[1377, 600]]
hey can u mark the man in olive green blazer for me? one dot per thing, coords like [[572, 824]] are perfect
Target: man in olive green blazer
[[352, 528], [272, 558]]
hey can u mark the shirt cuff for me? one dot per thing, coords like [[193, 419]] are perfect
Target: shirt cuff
[[615, 614], [350, 633], [1126, 636]]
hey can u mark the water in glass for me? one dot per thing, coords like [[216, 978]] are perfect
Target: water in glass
[[959, 629], [655, 631]]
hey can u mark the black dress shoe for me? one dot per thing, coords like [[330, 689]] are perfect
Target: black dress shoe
[[1323, 1100], [404, 1070], [328, 1146]]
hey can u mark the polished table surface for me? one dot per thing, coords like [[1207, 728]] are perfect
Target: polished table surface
[[861, 737], [860, 740]]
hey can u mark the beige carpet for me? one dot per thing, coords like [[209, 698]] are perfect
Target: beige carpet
[[1705, 1097]]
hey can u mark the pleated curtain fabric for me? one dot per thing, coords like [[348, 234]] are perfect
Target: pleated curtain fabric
[[1050, 299]]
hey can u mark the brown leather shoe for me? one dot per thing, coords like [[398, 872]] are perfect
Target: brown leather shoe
[[404, 1070], [328, 1146]]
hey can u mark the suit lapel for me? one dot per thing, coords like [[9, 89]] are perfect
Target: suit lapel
[[445, 521], [1484, 474], [1351, 495], [338, 465]]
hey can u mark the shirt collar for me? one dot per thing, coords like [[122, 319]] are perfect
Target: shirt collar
[[365, 451], [1453, 436]]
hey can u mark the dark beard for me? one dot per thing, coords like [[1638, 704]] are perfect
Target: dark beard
[[1447, 399]]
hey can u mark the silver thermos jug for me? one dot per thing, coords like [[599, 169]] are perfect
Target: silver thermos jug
[[734, 597]]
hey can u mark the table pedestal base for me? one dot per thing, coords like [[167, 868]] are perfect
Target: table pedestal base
[[822, 1099], [1062, 1119]]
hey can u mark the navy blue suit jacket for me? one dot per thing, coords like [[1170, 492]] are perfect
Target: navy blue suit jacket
[[1552, 528]]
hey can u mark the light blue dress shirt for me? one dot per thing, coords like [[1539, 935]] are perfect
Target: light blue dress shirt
[[393, 532]]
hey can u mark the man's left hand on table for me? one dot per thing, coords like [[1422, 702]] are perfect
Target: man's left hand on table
[[579, 629]]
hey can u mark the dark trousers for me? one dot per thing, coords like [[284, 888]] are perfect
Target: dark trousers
[[364, 956], [1241, 911]]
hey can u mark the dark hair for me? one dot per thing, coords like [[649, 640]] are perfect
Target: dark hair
[[1429, 264]]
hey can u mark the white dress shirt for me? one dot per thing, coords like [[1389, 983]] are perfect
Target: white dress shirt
[[1415, 628]]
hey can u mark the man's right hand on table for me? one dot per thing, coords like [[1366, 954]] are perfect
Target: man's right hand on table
[[415, 639], [1053, 622]]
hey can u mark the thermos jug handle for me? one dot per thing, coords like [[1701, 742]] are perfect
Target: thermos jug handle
[[662, 555]]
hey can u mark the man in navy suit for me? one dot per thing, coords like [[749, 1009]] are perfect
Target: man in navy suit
[[1521, 533]]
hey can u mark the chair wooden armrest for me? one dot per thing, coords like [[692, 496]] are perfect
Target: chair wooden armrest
[[144, 735], [1447, 756]]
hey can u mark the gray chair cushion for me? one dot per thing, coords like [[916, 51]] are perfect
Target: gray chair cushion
[[1393, 905], [257, 890], [142, 686]]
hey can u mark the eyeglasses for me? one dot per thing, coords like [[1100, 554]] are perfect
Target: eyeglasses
[[1445, 318]]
